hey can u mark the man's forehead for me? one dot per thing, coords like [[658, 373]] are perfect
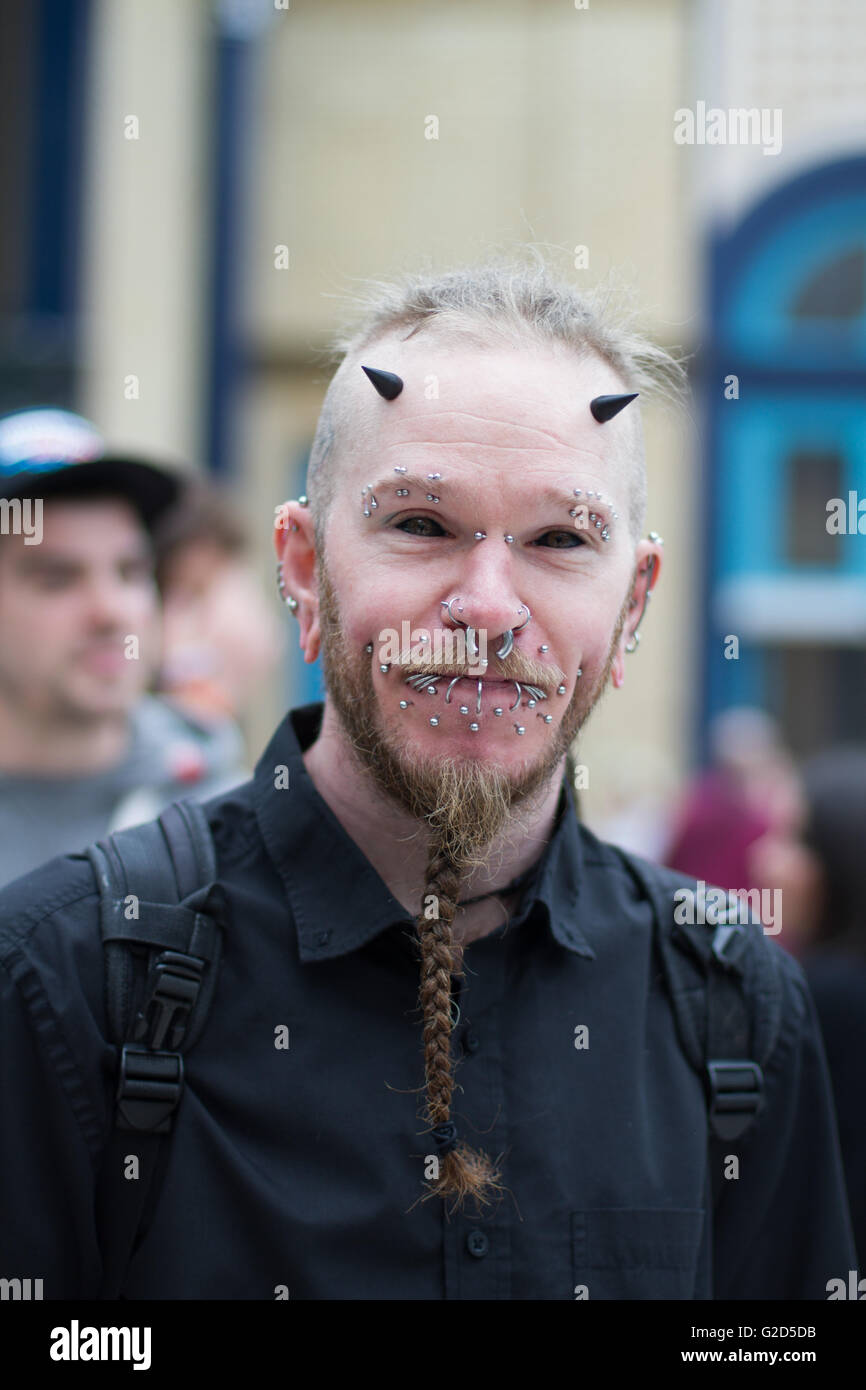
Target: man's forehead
[[527, 407]]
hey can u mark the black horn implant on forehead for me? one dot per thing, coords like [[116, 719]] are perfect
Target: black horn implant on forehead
[[388, 384], [605, 407]]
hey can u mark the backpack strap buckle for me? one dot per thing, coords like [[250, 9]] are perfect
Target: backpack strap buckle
[[736, 1094], [170, 997], [149, 1087]]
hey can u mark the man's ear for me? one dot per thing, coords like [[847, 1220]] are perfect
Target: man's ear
[[648, 563], [295, 545]]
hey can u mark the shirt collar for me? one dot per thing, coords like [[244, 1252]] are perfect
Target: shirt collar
[[337, 898]]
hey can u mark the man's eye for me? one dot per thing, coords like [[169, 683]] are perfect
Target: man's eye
[[569, 535], [425, 520]]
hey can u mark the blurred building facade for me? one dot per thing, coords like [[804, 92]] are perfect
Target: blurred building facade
[[200, 185]]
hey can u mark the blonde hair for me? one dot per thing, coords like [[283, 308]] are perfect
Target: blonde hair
[[500, 303]]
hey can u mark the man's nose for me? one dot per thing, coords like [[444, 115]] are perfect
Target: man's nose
[[483, 595]]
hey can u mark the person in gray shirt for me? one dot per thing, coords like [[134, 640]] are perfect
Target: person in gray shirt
[[83, 748]]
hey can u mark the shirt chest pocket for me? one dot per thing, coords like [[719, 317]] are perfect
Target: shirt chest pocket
[[629, 1252]]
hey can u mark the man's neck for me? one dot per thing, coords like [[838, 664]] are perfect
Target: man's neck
[[62, 748], [396, 844]]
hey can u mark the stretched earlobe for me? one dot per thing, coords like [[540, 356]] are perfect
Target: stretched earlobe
[[388, 384], [605, 407]]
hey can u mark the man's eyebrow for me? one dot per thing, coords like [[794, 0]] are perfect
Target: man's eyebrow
[[433, 487]]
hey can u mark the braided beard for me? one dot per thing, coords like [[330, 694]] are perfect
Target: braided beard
[[467, 804]]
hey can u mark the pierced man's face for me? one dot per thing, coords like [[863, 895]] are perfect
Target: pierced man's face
[[68, 607], [512, 436]]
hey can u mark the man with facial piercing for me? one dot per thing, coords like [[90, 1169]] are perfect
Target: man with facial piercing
[[444, 1057]]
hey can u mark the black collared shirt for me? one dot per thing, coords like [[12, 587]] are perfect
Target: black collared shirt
[[301, 1167]]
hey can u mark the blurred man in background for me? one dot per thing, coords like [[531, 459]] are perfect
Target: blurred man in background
[[83, 748]]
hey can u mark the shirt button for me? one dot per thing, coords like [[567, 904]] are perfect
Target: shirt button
[[471, 1042], [477, 1244]]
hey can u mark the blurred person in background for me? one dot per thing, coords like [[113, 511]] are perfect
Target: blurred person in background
[[220, 636], [822, 875], [750, 789], [83, 748]]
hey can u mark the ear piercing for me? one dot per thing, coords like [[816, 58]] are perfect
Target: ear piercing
[[632, 646], [290, 602]]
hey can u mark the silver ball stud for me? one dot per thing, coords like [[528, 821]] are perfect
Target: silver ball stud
[[509, 540], [431, 690], [531, 704], [434, 721], [560, 690], [474, 728], [497, 711], [520, 729], [369, 647], [384, 669], [544, 648], [404, 704], [464, 709]]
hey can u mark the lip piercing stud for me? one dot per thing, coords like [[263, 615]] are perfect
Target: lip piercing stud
[[560, 690], [530, 704], [548, 718], [464, 709], [497, 711], [434, 721], [481, 535], [520, 729], [474, 728], [431, 690]]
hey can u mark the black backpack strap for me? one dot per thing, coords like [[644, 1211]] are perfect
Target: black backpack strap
[[161, 965], [725, 991]]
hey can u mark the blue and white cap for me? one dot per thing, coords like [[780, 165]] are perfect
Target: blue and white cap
[[46, 452]]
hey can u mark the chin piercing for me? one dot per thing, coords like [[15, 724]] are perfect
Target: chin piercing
[[548, 718], [402, 492], [474, 728], [434, 720], [498, 711], [464, 709], [520, 729], [431, 498]]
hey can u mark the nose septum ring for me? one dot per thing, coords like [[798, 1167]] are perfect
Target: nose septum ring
[[471, 644]]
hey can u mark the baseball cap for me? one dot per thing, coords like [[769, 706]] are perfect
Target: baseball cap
[[47, 452]]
